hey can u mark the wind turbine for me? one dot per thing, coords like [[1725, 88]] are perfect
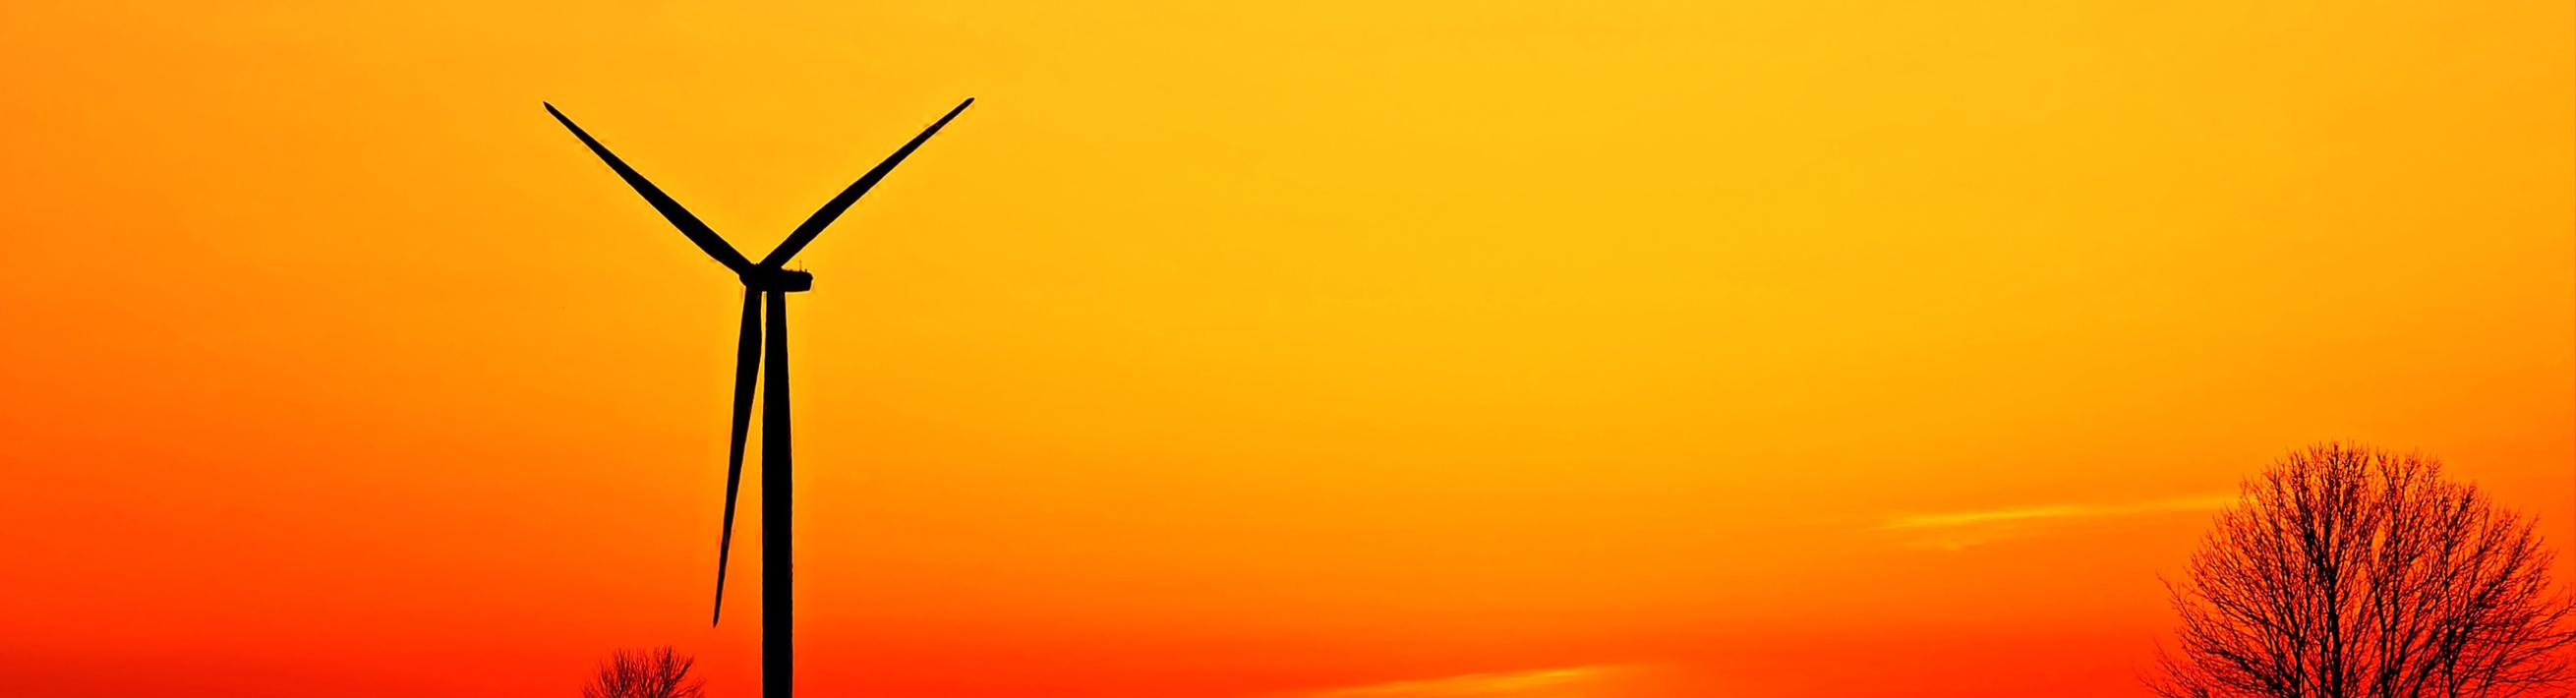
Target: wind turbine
[[758, 349]]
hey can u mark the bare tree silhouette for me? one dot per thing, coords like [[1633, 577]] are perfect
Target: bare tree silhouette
[[654, 673], [2349, 572]]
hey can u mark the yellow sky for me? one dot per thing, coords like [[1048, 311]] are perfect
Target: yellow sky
[[1236, 349]]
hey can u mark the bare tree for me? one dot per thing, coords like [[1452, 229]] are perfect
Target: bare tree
[[654, 673], [2348, 572]]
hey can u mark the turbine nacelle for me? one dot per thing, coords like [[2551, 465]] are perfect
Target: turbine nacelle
[[777, 280]]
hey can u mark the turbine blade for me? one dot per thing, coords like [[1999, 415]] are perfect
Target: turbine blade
[[814, 225], [689, 225], [746, 370]]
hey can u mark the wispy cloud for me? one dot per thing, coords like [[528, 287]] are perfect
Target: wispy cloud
[[1960, 529], [1545, 683]]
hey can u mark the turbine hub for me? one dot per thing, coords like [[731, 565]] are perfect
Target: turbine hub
[[777, 280]]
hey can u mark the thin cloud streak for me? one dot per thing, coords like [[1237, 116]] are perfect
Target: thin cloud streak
[[2056, 511], [1956, 530], [1570, 681]]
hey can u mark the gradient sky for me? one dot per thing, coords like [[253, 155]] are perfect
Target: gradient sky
[[1317, 350]]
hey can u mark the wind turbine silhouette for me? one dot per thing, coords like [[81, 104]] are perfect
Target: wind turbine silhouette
[[770, 281]]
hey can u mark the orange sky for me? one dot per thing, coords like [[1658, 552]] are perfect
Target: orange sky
[[1320, 350]]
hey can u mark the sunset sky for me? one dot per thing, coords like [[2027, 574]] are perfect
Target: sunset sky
[[1304, 350]]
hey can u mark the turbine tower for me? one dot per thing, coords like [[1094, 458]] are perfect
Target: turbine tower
[[763, 345]]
